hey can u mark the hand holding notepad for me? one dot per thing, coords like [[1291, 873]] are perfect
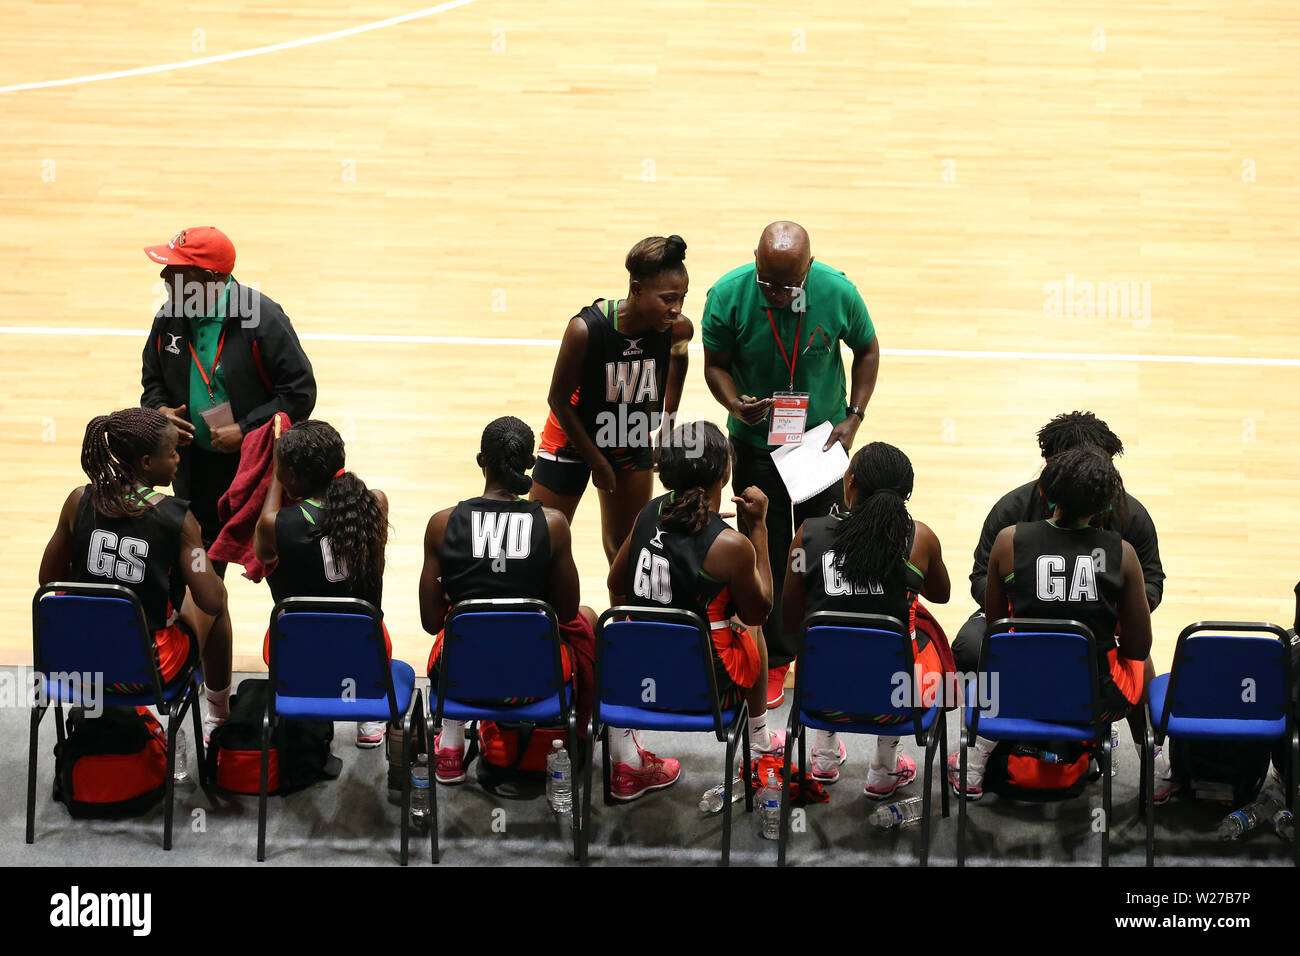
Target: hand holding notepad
[[806, 469]]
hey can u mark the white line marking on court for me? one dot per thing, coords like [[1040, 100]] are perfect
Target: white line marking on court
[[988, 354], [241, 54]]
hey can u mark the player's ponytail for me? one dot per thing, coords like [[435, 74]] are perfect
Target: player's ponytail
[[110, 456], [872, 542], [351, 517], [507, 449], [1081, 482], [692, 460], [654, 255]]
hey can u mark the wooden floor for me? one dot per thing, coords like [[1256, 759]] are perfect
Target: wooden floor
[[978, 169]]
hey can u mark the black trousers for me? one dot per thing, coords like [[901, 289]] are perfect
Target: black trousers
[[968, 643], [753, 466], [210, 476]]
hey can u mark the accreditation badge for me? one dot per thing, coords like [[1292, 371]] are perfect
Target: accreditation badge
[[788, 417]]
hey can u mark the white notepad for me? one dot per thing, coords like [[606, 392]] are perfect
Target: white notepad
[[806, 469]]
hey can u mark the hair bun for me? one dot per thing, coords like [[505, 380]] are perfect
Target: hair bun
[[674, 249]]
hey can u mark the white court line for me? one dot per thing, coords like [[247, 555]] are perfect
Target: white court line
[[988, 354], [241, 54]]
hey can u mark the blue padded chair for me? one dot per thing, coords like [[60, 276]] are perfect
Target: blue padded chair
[[850, 663], [496, 649], [102, 631], [328, 662], [669, 650], [1047, 690], [1202, 697]]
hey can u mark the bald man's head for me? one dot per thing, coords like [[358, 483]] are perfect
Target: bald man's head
[[783, 258]]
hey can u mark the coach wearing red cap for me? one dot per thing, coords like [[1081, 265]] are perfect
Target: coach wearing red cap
[[220, 348]]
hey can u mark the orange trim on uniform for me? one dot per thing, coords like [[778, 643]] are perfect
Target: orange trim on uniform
[[266, 644], [735, 646], [173, 650], [553, 437], [1128, 675]]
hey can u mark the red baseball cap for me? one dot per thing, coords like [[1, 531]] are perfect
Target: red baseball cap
[[206, 247]]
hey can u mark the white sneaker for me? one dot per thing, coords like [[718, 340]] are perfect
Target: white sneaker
[[1166, 785], [210, 723], [370, 733], [825, 767]]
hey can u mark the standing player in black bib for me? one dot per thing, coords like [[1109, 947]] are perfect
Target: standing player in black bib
[[1066, 568], [873, 559], [682, 554], [119, 530], [500, 546], [620, 370], [329, 539]]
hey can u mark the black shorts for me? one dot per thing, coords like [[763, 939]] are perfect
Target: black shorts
[[569, 476]]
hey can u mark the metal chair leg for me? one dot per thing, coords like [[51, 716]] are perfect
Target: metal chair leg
[[943, 762], [169, 784], [785, 797], [199, 747], [1105, 798], [32, 749], [575, 811], [262, 786], [930, 746], [588, 773], [728, 773], [606, 764], [961, 796]]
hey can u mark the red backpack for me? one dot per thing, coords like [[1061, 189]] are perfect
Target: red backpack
[[1041, 770], [114, 765]]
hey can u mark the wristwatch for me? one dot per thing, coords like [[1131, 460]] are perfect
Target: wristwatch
[[859, 411]]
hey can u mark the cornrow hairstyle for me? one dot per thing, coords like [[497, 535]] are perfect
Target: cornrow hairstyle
[[1074, 429], [654, 255], [110, 456], [871, 543], [1082, 482], [507, 448], [351, 518], [693, 459]]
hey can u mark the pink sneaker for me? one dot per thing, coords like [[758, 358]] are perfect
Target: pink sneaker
[[974, 781], [448, 763], [825, 767], [881, 783], [656, 773]]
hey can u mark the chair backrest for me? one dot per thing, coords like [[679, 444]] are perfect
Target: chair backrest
[[858, 664], [331, 649], [1243, 674], [98, 632], [1044, 670], [656, 659], [500, 648]]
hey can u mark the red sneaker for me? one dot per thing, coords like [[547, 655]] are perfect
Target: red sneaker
[[448, 763], [776, 686], [656, 773]]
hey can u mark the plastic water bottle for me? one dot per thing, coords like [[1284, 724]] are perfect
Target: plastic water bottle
[[1114, 750], [769, 809], [904, 813], [559, 778], [711, 799], [1240, 822], [1284, 825], [420, 815], [181, 767]]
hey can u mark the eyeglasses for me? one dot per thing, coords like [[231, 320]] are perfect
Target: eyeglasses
[[774, 289]]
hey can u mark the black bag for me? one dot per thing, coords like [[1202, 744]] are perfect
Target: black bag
[[300, 749], [1231, 772], [110, 766]]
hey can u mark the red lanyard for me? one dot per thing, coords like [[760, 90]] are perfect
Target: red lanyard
[[789, 362], [216, 359]]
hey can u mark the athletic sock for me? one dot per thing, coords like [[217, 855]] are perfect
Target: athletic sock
[[826, 742], [886, 757], [1163, 770], [219, 703], [623, 748], [977, 757], [453, 734], [759, 738]]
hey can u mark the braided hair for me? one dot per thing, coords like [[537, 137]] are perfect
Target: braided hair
[[692, 460], [1074, 429], [110, 456], [649, 257], [507, 449], [872, 541], [351, 518], [1081, 482]]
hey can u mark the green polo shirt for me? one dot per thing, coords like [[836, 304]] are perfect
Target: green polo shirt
[[205, 334], [735, 321]]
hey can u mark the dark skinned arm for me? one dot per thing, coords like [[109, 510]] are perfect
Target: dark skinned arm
[[564, 381], [56, 562], [794, 596], [678, 362], [996, 605], [717, 375], [433, 600], [616, 581], [866, 366], [927, 555], [564, 588], [206, 587], [1134, 635]]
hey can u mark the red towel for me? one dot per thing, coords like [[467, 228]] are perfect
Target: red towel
[[241, 505]]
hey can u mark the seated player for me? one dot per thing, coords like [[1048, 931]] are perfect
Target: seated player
[[500, 546], [328, 540], [621, 368], [119, 530], [1064, 567], [873, 559], [707, 568], [1029, 503]]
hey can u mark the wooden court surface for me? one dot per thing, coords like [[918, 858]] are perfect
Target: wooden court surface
[[477, 174]]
